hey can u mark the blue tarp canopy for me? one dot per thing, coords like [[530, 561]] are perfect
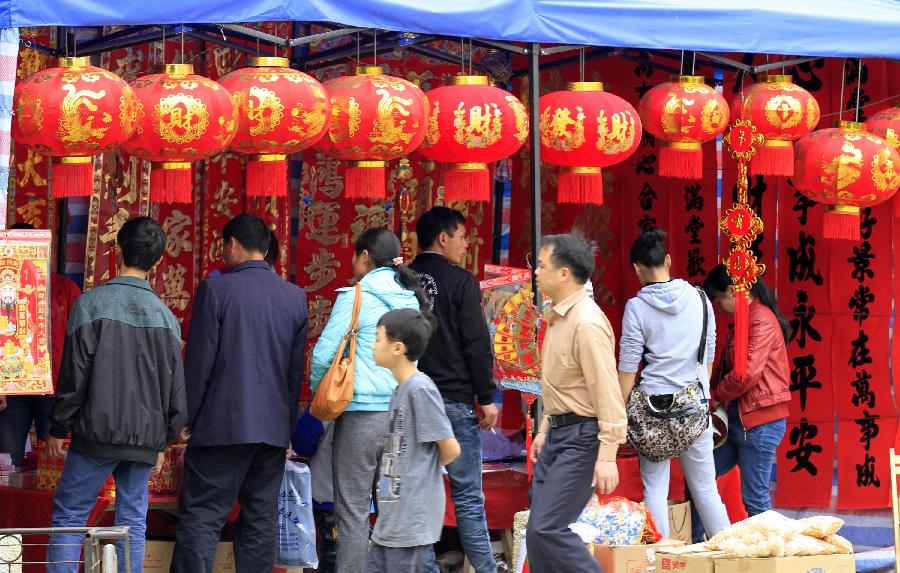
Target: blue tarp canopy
[[837, 28]]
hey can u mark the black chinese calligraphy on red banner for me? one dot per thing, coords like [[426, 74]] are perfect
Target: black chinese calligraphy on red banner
[[804, 467]]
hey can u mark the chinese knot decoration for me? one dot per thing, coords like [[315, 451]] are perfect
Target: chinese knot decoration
[[683, 113], [472, 124], [71, 113], [886, 125], [584, 129], [280, 111], [182, 117], [374, 118], [783, 112], [846, 168], [742, 225]]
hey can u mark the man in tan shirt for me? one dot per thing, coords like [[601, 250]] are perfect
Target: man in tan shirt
[[584, 421]]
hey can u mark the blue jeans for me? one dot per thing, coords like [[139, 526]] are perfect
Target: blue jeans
[[76, 494], [465, 488], [15, 423], [754, 452]]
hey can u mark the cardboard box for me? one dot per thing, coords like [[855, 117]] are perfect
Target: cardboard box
[[224, 559], [699, 562], [814, 564], [158, 556], [631, 558], [680, 521]]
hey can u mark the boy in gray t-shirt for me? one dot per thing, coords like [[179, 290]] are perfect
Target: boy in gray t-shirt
[[410, 485]]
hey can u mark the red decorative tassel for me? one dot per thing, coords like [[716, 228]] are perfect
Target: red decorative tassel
[[841, 222], [72, 177], [267, 176], [467, 182], [741, 332], [580, 185], [365, 180], [171, 183], [774, 158], [681, 160]]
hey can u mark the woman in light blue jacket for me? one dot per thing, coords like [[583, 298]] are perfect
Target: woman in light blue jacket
[[360, 432]]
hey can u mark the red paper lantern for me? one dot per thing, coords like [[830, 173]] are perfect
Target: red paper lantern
[[783, 112], [280, 111], [72, 113], [374, 118], [584, 129], [886, 125], [182, 118], [846, 168], [472, 124], [683, 113]]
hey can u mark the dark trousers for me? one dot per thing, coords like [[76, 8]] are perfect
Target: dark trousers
[[560, 490], [213, 478], [383, 559], [327, 540], [15, 423]]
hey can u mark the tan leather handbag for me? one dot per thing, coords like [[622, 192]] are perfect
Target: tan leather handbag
[[336, 389]]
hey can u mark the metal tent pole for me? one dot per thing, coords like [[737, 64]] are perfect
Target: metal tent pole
[[534, 94]]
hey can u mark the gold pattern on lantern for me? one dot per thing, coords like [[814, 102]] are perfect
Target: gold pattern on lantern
[[675, 117], [388, 129], [892, 138], [521, 117], [30, 113], [616, 135], [265, 112], [314, 120], [483, 128], [341, 107], [812, 113], [180, 118], [432, 131], [128, 111], [555, 129], [75, 127], [784, 111], [843, 170], [885, 174], [172, 84], [712, 118]]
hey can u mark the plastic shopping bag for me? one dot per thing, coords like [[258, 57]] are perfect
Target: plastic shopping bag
[[296, 527]]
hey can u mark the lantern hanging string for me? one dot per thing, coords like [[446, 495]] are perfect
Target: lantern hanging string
[[462, 55], [375, 48], [182, 43], [843, 76], [693, 62], [859, 73], [681, 66], [357, 49], [581, 64]]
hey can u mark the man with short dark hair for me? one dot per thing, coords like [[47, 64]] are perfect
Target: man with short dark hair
[[460, 361], [121, 395], [584, 414], [243, 367]]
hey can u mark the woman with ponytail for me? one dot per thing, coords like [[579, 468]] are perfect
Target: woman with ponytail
[[757, 404], [359, 433]]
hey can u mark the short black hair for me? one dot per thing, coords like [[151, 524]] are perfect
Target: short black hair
[[21, 226], [436, 221], [649, 249], [411, 327], [572, 250], [250, 231], [141, 241]]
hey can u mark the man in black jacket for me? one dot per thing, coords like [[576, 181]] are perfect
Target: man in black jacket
[[243, 367], [121, 395], [460, 361]]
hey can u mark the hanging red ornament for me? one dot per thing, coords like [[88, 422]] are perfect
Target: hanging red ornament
[[182, 118], [683, 113], [472, 124], [280, 111], [846, 168], [71, 113], [886, 125], [374, 118], [783, 112], [584, 129]]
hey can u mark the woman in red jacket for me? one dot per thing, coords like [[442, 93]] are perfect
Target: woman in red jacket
[[757, 404]]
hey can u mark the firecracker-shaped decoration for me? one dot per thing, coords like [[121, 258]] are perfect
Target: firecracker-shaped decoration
[[584, 129], [472, 124], [783, 112], [280, 111], [886, 125], [374, 118], [182, 118], [683, 113], [742, 225], [846, 168], [71, 113]]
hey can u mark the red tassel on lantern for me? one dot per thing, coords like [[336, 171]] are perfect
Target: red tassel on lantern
[[170, 182], [580, 185], [841, 222], [467, 182], [775, 157], [267, 175], [741, 331], [365, 180], [72, 177], [682, 160]]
